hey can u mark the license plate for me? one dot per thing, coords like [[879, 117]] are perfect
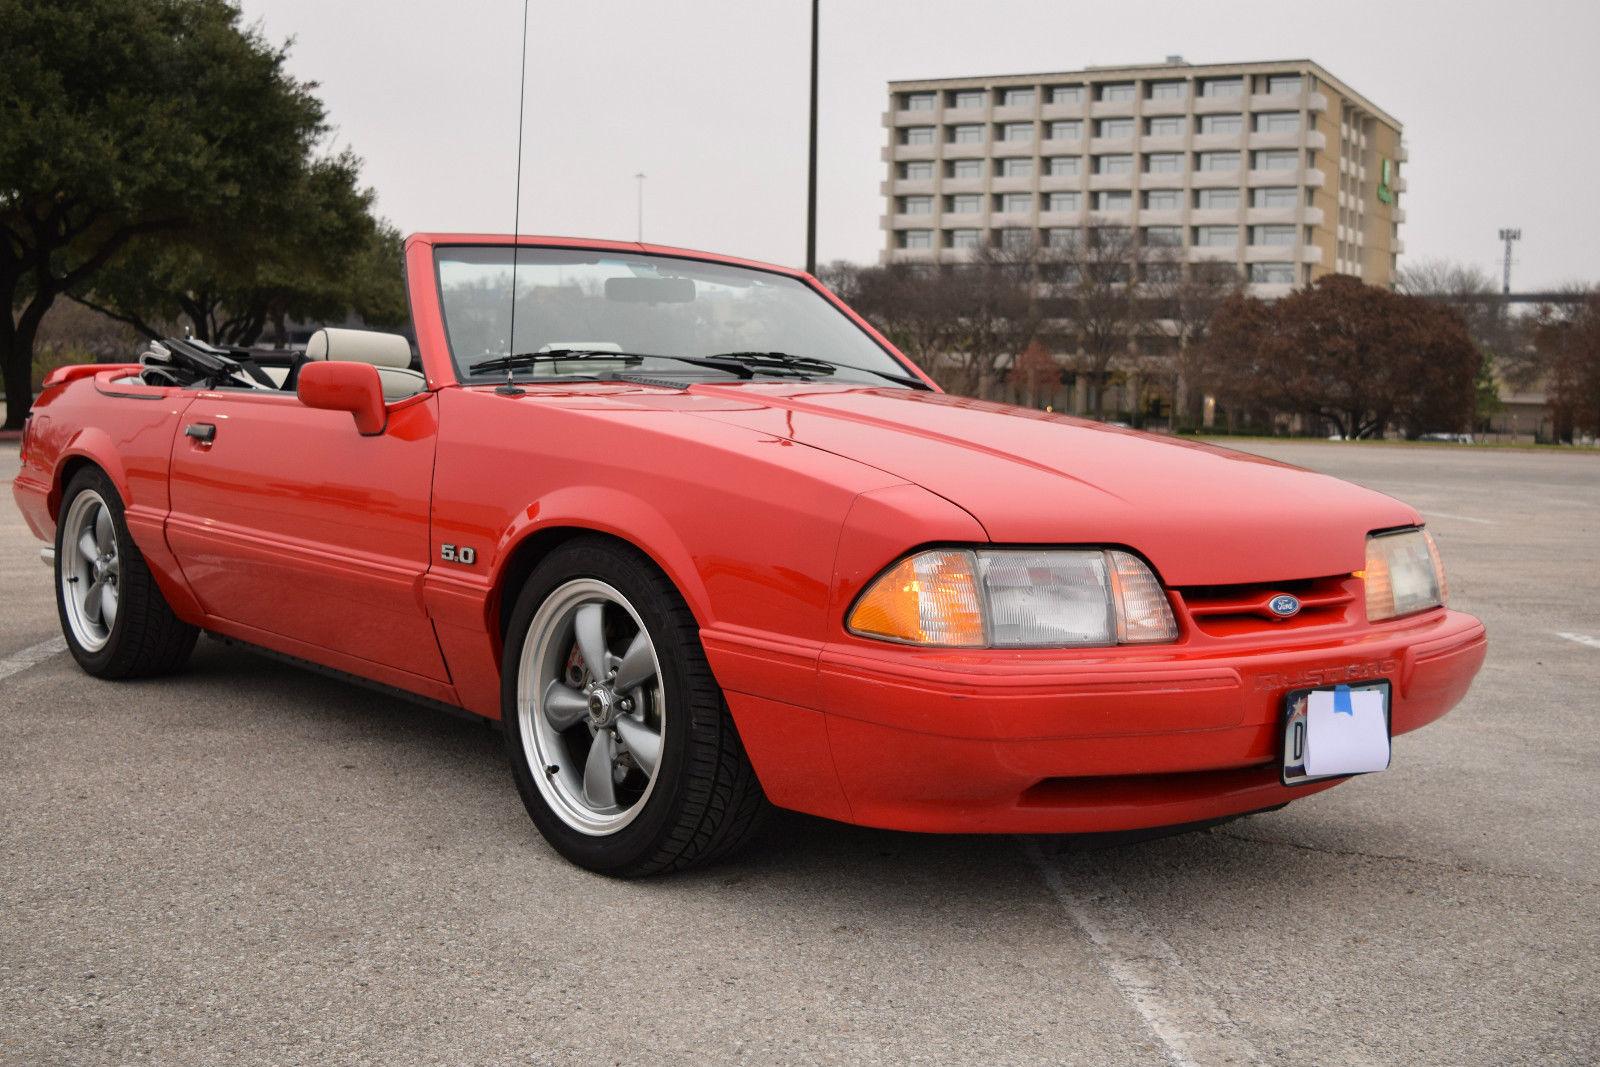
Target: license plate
[[1335, 731]]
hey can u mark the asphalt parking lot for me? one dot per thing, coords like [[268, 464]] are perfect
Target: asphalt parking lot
[[252, 864]]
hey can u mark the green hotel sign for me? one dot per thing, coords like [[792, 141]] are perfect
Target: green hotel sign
[[1385, 189]]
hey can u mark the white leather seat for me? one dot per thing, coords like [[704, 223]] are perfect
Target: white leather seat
[[388, 352]]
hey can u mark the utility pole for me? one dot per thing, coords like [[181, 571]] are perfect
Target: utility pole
[[640, 178], [1509, 237], [811, 183]]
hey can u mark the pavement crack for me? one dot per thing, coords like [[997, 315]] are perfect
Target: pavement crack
[[1413, 860]]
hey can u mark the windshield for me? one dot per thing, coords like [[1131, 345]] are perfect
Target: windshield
[[587, 299]]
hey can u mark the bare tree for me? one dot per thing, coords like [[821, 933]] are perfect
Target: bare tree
[[996, 297], [1183, 298], [1094, 282]]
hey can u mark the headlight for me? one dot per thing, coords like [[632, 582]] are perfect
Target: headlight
[[1016, 598], [1403, 574]]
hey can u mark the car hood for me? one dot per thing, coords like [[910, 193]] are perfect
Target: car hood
[[1202, 515]]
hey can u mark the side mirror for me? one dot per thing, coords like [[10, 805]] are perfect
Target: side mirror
[[352, 387]]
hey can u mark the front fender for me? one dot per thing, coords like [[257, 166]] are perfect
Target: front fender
[[619, 514]]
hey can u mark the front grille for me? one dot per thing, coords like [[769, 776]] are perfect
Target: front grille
[[1231, 610]]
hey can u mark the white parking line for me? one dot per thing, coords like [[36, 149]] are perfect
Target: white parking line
[[1582, 639], [1459, 518], [1175, 1005], [31, 656]]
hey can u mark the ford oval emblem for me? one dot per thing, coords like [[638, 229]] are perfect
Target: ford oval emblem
[[1284, 606]]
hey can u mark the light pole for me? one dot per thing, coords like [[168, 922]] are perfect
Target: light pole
[[1509, 237], [811, 171], [640, 178]]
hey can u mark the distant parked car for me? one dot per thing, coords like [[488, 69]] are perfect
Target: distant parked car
[[1451, 438]]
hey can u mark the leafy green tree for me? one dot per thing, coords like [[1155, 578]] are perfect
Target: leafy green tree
[[312, 252], [129, 119]]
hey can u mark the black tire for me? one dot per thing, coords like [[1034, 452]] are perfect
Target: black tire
[[146, 639], [706, 802]]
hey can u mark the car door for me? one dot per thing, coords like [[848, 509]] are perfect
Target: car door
[[289, 522]]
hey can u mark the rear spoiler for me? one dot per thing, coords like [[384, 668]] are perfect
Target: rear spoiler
[[64, 375]]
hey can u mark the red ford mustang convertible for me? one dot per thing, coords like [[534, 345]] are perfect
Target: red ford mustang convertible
[[703, 541]]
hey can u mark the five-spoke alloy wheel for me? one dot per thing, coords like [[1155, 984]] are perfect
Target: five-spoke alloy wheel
[[89, 570], [114, 616], [621, 743], [591, 708]]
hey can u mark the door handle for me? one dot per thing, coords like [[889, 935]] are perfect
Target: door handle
[[204, 432]]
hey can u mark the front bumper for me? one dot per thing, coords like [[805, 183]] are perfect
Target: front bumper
[[1043, 742]]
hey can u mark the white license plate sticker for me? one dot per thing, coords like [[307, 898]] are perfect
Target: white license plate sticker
[[1336, 731]]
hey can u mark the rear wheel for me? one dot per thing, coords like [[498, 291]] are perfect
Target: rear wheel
[[621, 743], [116, 622]]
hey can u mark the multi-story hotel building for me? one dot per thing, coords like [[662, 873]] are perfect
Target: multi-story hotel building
[[1279, 168]]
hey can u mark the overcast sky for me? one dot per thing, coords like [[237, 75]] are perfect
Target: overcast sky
[[708, 98]]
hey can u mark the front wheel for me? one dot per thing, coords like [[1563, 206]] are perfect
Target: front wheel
[[619, 738]]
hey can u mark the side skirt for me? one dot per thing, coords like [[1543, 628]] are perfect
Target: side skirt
[[354, 679]]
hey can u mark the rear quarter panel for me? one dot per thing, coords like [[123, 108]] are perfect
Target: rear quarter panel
[[126, 429]]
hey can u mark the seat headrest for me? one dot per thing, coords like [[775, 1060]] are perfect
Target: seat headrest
[[360, 346]]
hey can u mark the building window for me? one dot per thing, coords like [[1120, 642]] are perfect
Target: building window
[[917, 135], [1216, 199], [1113, 200], [1014, 168], [1016, 238], [1275, 196], [1272, 235], [1113, 128], [1163, 272], [1162, 199], [966, 134], [1016, 131], [1277, 121], [964, 203], [1066, 130], [1113, 164], [1163, 162], [1114, 91], [963, 238], [1061, 236], [1069, 201], [1216, 236], [1063, 166], [1066, 94], [1275, 159], [916, 238], [916, 205], [1016, 97], [1272, 273], [964, 168], [1014, 203], [918, 101], [1163, 236], [1281, 84], [1168, 90], [1221, 123], [1216, 87], [1164, 126], [966, 99], [916, 172], [1216, 160]]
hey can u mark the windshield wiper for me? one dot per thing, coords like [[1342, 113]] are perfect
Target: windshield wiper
[[554, 355], [762, 361], [743, 364]]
